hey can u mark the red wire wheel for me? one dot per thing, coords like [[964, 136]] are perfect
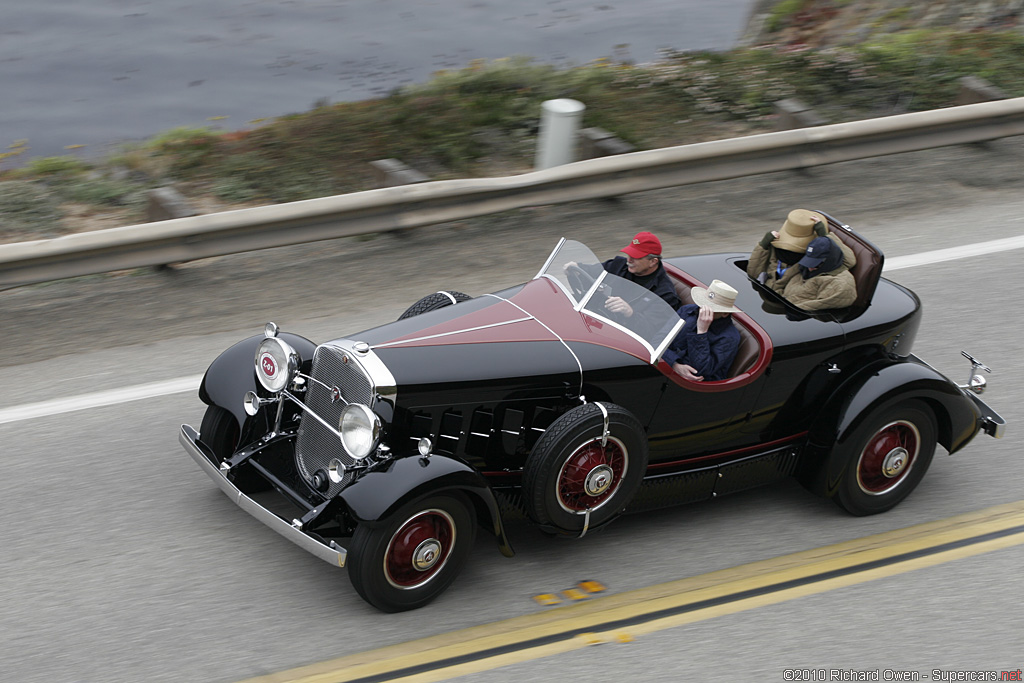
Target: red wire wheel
[[591, 475], [884, 458], [571, 483], [888, 457], [419, 549]]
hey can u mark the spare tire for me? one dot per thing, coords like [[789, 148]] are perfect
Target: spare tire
[[570, 474], [434, 301]]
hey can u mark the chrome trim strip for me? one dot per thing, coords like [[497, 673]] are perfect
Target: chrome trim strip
[[579, 365], [334, 554], [306, 409], [381, 380], [589, 294], [551, 256], [326, 386], [448, 334], [604, 433], [660, 351]]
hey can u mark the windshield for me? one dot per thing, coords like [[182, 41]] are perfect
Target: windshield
[[612, 299]]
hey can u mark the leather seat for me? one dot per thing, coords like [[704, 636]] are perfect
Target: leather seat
[[869, 264]]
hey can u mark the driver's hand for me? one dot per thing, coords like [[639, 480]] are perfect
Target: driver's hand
[[570, 264], [688, 372], [704, 319], [615, 304]]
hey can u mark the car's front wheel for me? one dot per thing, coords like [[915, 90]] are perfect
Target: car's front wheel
[[885, 458], [414, 556], [575, 478], [219, 430]]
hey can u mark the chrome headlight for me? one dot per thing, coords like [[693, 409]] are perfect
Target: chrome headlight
[[360, 430], [276, 364]]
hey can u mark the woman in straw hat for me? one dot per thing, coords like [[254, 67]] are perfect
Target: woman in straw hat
[[708, 342], [780, 250]]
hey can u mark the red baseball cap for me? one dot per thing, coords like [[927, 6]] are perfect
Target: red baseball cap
[[644, 244]]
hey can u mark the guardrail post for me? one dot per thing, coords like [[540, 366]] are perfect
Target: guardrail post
[[556, 142], [597, 142], [974, 90], [392, 172], [165, 203], [792, 113]]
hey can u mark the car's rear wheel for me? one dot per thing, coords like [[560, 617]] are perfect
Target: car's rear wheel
[[885, 457], [572, 479], [414, 556], [219, 430], [434, 301]]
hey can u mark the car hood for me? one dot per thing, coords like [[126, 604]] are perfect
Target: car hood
[[518, 341]]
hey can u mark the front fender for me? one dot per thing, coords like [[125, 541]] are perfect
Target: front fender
[[378, 494], [957, 417], [233, 373]]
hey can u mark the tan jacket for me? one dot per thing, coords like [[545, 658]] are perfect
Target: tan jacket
[[835, 289]]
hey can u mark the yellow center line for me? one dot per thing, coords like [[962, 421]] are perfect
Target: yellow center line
[[563, 629]]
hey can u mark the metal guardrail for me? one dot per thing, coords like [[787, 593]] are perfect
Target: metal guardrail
[[410, 206]]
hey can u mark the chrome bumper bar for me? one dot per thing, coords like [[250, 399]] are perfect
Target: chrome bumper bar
[[992, 423], [332, 553]]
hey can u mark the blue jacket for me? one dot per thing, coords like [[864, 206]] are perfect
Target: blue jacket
[[711, 354]]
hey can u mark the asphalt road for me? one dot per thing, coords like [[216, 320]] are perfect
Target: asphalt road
[[122, 562]]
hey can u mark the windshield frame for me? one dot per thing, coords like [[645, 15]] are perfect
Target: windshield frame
[[657, 344]]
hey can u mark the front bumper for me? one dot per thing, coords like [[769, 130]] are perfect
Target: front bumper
[[329, 552]]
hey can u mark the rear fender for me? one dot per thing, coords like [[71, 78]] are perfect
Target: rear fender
[[957, 419], [233, 373], [375, 496]]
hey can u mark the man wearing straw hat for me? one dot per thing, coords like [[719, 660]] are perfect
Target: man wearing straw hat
[[780, 250], [708, 342]]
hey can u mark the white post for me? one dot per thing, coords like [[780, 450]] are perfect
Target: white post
[[556, 142]]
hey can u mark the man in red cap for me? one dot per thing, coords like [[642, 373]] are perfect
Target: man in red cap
[[642, 265]]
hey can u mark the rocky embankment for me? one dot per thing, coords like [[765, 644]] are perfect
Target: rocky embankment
[[822, 23]]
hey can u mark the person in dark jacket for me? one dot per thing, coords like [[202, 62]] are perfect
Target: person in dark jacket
[[821, 279], [706, 347], [642, 265]]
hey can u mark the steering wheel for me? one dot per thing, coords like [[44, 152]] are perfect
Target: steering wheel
[[580, 281]]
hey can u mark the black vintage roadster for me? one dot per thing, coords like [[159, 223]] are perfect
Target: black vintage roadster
[[383, 451]]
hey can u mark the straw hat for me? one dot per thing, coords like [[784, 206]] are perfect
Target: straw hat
[[798, 230], [719, 297]]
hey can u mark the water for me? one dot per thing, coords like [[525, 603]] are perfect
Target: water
[[93, 73]]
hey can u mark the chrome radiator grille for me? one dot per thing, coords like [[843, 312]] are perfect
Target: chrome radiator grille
[[316, 446]]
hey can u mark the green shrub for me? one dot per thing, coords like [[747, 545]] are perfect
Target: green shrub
[[27, 207], [782, 12], [102, 191], [51, 166]]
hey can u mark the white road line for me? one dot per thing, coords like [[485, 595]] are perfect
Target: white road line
[[184, 384], [940, 255], [99, 398]]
